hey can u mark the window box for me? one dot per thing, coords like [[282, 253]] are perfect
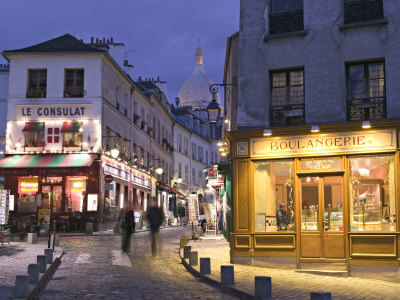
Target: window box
[[36, 93], [73, 93]]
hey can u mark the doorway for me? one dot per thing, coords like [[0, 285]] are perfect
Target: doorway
[[322, 237]]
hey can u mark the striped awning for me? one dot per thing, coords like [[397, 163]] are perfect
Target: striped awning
[[71, 126], [47, 161], [33, 126]]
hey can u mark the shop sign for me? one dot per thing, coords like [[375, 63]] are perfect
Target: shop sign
[[324, 143], [331, 163], [4, 206], [28, 187], [48, 111], [116, 172]]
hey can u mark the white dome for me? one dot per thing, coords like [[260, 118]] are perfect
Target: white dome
[[195, 90]]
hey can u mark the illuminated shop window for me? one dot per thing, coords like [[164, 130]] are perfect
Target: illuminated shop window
[[34, 134], [372, 193], [72, 134], [273, 196], [75, 191], [27, 190]]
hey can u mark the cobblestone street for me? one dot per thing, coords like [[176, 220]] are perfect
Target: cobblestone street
[[94, 268]]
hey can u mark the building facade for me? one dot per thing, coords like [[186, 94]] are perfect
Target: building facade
[[315, 162]]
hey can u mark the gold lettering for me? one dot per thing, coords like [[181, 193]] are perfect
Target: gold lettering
[[347, 139], [360, 140], [329, 142], [310, 144], [338, 142], [274, 146]]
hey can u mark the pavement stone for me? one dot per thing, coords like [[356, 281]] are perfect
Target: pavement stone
[[288, 284]]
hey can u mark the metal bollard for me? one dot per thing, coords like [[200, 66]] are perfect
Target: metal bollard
[[183, 241], [320, 296], [263, 287], [42, 261], [21, 286], [205, 266], [33, 272], [56, 240], [186, 251], [227, 276], [194, 258], [49, 255], [32, 238]]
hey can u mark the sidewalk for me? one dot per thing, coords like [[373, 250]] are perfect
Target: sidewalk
[[288, 284]]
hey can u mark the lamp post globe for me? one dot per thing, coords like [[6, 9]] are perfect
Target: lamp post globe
[[213, 111], [114, 152]]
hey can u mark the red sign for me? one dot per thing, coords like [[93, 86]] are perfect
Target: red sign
[[211, 172], [108, 178]]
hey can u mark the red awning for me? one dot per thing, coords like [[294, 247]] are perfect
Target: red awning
[[71, 126], [33, 126]]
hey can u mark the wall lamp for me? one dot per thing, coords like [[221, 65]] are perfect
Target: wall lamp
[[366, 124], [267, 132], [314, 128]]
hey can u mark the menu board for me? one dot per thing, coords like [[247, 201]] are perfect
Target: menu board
[[4, 206]]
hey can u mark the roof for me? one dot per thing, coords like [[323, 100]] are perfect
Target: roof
[[64, 43]]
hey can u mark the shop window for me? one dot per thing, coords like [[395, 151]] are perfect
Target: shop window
[[286, 16], [366, 98], [28, 188], [53, 135], [75, 191], [287, 97], [273, 196], [372, 194], [72, 134], [34, 134], [362, 10], [73, 83], [37, 83]]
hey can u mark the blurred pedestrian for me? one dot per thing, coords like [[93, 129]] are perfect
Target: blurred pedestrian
[[129, 228], [181, 213], [155, 217]]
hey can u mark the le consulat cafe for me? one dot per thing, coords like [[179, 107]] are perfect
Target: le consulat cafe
[[54, 162], [322, 200]]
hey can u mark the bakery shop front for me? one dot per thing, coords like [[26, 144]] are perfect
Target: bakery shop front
[[317, 201]]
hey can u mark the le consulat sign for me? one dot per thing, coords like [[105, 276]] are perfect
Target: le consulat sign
[[33, 112], [324, 143]]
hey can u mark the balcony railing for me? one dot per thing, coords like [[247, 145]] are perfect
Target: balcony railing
[[363, 10], [284, 115], [366, 109], [286, 22]]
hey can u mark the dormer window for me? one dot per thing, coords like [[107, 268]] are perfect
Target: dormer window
[[73, 83]]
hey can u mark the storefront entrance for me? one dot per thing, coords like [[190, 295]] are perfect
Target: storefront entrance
[[322, 237]]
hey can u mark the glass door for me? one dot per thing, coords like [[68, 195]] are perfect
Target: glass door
[[322, 217]]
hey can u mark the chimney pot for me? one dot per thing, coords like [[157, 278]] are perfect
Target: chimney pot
[[108, 41], [158, 78], [91, 40], [104, 40], [112, 40], [97, 40]]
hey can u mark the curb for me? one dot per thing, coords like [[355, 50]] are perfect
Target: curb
[[106, 234], [214, 282]]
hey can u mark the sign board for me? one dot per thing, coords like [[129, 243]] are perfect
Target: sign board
[[4, 206], [44, 213], [324, 144], [108, 186], [53, 111], [108, 178]]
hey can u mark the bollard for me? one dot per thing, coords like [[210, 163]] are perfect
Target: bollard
[[320, 296], [33, 272], [7, 292], [183, 241], [89, 228], [49, 255], [21, 286], [32, 238], [194, 258], [263, 287], [205, 266], [56, 240], [186, 251], [227, 276], [42, 261]]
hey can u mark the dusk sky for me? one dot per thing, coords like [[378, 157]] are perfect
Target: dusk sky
[[160, 35]]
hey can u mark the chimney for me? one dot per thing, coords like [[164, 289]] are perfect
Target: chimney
[[108, 41], [91, 40], [112, 40], [177, 101], [158, 78], [97, 41], [140, 78], [104, 40]]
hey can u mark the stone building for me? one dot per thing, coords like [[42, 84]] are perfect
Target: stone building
[[315, 160]]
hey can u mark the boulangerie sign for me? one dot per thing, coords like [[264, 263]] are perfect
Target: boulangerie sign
[[324, 143]]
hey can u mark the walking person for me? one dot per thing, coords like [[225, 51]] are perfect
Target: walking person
[[181, 213], [155, 217], [129, 228]]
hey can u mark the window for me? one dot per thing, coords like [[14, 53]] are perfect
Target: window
[[186, 174], [53, 135], [193, 176], [194, 148], [73, 83], [366, 91], [286, 16], [108, 138], [274, 196], [200, 154], [186, 145], [287, 97], [72, 134], [34, 134], [37, 83], [362, 10], [141, 156], [179, 143], [126, 148], [206, 157], [372, 193], [200, 179]]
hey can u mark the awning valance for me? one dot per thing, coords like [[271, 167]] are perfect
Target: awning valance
[[47, 161], [33, 126], [71, 126]]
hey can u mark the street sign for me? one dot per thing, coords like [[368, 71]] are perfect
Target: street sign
[[211, 172], [108, 187], [108, 178]]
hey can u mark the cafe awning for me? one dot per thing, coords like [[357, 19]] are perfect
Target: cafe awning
[[33, 126], [71, 126], [47, 161]]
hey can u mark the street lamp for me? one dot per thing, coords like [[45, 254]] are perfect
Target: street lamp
[[114, 152], [159, 170], [213, 109]]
